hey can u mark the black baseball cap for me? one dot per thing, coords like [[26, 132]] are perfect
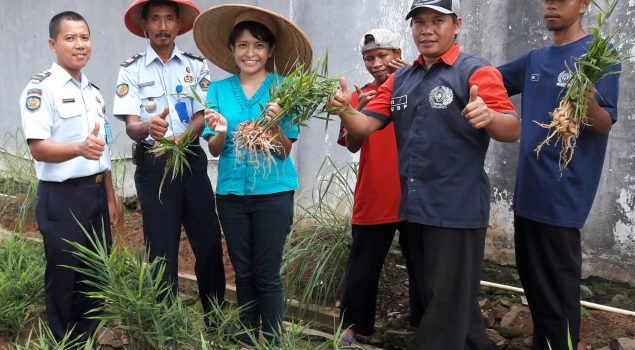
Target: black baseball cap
[[447, 7]]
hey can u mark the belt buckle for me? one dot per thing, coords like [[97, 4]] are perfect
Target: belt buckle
[[99, 178]]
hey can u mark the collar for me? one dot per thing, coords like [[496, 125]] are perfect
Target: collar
[[448, 58], [371, 85], [151, 55], [63, 77]]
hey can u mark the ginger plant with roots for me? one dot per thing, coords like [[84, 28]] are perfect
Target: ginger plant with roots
[[571, 115], [302, 94]]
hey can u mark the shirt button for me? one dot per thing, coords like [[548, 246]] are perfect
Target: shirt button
[[412, 180]]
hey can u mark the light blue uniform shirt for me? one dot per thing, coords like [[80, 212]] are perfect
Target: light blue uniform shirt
[[58, 108], [146, 85], [238, 176]]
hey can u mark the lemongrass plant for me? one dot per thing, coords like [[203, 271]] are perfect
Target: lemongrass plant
[[314, 260], [302, 94], [572, 112]]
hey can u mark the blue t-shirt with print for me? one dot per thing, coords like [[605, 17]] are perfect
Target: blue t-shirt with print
[[542, 192], [239, 175]]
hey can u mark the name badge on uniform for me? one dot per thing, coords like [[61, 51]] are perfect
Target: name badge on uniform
[[108, 133], [147, 83], [68, 100]]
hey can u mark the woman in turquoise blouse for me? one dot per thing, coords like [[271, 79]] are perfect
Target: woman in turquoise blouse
[[255, 203]]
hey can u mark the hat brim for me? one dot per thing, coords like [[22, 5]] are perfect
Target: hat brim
[[134, 22], [443, 10], [212, 29]]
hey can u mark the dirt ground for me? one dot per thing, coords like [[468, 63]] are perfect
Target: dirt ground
[[598, 327]]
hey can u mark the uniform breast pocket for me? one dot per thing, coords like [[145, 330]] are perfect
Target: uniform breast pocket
[[72, 123], [152, 101]]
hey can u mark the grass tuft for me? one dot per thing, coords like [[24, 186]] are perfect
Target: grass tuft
[[316, 256]]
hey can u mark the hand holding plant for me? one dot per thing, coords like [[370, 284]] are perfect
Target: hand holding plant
[[573, 111], [175, 149], [301, 95]]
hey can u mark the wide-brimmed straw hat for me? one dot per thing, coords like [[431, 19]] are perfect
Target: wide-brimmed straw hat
[[134, 22], [212, 29]]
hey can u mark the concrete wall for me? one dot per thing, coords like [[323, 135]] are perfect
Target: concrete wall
[[499, 30]]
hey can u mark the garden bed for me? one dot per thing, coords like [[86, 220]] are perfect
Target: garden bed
[[506, 316]]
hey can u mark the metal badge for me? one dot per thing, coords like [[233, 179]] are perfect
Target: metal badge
[[188, 69], [151, 106]]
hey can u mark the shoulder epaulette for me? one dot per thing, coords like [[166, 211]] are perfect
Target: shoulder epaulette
[[41, 76], [95, 86], [194, 56], [131, 60]]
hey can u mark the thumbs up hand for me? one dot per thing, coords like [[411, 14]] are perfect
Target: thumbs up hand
[[93, 147], [158, 124], [342, 98], [476, 111]]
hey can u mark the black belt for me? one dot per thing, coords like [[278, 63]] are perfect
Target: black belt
[[84, 180]]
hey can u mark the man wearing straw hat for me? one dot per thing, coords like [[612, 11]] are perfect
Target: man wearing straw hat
[[155, 97]]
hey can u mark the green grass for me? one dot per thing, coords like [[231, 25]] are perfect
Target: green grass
[[18, 181], [21, 283]]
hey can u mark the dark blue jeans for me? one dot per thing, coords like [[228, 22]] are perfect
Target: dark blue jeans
[[256, 228]]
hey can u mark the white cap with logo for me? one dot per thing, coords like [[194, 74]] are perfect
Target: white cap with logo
[[378, 38]]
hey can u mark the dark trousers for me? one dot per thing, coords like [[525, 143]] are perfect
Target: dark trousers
[[59, 208], [447, 265], [365, 261], [256, 228], [549, 261], [188, 200]]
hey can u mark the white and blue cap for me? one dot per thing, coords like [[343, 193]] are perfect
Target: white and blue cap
[[378, 38], [447, 7]]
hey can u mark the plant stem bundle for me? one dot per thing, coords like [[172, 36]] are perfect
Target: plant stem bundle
[[303, 94], [176, 154], [572, 112]]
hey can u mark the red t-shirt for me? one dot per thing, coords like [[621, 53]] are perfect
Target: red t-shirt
[[377, 191]]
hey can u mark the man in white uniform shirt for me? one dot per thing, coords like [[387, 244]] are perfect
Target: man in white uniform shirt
[[149, 87], [65, 125]]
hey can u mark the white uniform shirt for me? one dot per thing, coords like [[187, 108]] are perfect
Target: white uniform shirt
[[146, 85], [62, 110]]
